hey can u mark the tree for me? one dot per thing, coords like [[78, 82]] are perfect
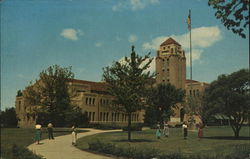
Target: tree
[[9, 118], [162, 99], [229, 96], [19, 93], [234, 14], [51, 94], [194, 107], [127, 83]]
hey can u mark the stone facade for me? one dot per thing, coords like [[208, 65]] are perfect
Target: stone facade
[[171, 64], [93, 98]]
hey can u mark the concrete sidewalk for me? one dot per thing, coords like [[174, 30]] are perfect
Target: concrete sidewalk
[[61, 147]]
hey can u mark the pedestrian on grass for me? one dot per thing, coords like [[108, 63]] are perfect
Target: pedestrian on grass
[[185, 127], [158, 131], [38, 134], [166, 129], [200, 130], [50, 131], [74, 135]]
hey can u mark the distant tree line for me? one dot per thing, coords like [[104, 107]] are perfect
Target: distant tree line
[[8, 118]]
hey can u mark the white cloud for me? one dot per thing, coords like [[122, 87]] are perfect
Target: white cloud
[[154, 1], [118, 7], [196, 54], [132, 38], [99, 44], [202, 38], [134, 4], [71, 34], [137, 4]]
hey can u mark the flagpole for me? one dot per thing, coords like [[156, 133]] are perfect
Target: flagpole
[[191, 78]]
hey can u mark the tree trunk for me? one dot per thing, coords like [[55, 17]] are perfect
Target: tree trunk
[[236, 133], [129, 126]]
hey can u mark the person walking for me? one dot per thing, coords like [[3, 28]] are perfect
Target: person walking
[[185, 127], [50, 131], [200, 130], [166, 129], [74, 135], [38, 133], [158, 131]]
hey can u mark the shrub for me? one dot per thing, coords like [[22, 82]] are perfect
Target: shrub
[[105, 126], [145, 153], [129, 151]]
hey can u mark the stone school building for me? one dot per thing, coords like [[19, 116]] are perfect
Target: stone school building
[[92, 97]]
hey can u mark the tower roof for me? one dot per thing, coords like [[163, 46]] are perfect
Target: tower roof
[[170, 41]]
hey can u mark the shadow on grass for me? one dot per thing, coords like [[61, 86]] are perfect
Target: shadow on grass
[[133, 140], [227, 137]]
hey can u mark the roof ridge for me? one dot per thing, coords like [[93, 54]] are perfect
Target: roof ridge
[[170, 40]]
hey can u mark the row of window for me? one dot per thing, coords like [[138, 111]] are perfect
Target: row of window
[[194, 92], [172, 49], [105, 116], [91, 101]]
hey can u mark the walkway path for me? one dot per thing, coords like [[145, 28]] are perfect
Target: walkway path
[[61, 147]]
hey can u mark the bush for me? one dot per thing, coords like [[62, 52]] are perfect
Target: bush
[[145, 153], [105, 126], [131, 152]]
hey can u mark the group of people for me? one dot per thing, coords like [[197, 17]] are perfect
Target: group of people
[[38, 133], [165, 131]]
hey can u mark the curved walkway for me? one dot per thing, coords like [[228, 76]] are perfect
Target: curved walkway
[[61, 147]]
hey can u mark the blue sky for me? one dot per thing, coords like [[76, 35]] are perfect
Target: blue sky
[[90, 34]]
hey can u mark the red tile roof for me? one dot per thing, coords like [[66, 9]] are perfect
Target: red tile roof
[[94, 86], [170, 41], [189, 81]]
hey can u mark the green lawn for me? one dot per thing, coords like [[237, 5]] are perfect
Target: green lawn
[[217, 140], [23, 137]]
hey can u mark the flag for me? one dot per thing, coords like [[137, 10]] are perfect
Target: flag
[[189, 21]]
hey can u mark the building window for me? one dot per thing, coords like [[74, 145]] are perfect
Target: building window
[[164, 48], [122, 117], [93, 116], [93, 102], [90, 101], [190, 92], [172, 50], [107, 117], [118, 114], [112, 117], [87, 100], [89, 115], [100, 116], [194, 92], [104, 116]]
